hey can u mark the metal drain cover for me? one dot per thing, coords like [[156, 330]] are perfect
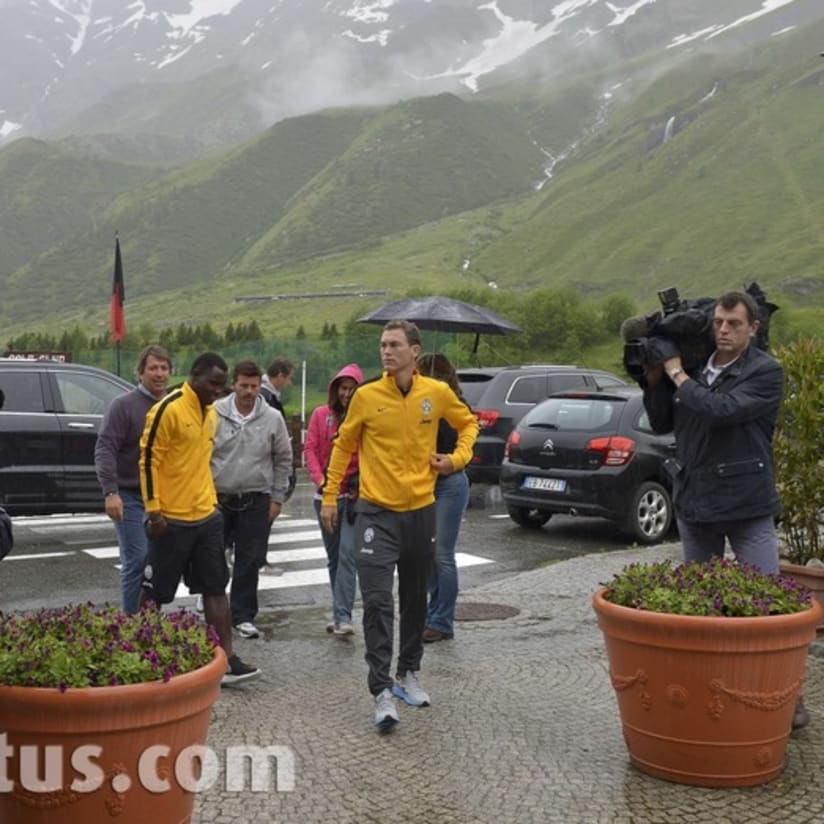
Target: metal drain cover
[[475, 611]]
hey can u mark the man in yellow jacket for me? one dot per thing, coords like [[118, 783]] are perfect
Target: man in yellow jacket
[[183, 522], [393, 422]]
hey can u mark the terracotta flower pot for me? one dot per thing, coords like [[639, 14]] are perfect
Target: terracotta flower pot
[[127, 781], [706, 700], [811, 578]]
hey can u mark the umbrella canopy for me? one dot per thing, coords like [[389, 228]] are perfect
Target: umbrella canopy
[[441, 314]]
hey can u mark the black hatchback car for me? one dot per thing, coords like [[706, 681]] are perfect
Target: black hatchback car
[[590, 453], [501, 395], [50, 413]]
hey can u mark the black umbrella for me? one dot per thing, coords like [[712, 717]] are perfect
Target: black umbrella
[[441, 314]]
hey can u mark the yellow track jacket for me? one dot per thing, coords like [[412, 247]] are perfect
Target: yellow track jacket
[[175, 451], [395, 436]]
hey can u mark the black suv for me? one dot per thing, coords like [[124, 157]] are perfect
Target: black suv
[[501, 395], [50, 413], [590, 453]]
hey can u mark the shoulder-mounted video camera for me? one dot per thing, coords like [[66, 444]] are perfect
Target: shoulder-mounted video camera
[[682, 327]]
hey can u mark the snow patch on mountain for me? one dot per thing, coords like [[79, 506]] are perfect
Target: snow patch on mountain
[[370, 12], [515, 38], [200, 10], [81, 14], [382, 37], [623, 14], [8, 127], [190, 29], [767, 6]]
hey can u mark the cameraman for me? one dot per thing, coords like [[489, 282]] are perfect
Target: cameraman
[[723, 415]]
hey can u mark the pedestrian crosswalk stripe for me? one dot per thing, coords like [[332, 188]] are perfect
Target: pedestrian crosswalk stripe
[[287, 556], [64, 521], [286, 532], [36, 556], [103, 552], [317, 575], [290, 537]]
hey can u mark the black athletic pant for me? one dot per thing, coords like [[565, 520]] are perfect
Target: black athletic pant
[[246, 527], [384, 540]]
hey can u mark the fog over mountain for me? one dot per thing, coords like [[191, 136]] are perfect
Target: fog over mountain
[[262, 147], [80, 66]]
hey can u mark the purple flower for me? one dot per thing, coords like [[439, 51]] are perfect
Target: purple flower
[[88, 646]]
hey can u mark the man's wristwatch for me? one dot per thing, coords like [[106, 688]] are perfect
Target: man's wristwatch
[[674, 373]]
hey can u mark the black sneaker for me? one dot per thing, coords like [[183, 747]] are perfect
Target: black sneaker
[[238, 672]]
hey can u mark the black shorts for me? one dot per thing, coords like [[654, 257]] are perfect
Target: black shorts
[[194, 551]]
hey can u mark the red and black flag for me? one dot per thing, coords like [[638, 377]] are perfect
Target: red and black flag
[[118, 296]]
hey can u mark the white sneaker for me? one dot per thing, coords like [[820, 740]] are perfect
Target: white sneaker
[[247, 630], [386, 713], [343, 629], [410, 690], [330, 627]]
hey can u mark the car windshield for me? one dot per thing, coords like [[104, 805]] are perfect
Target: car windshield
[[578, 414]]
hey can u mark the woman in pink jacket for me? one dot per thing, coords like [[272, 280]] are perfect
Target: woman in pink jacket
[[323, 426]]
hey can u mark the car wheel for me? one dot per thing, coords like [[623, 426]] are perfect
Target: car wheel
[[650, 513], [528, 518]]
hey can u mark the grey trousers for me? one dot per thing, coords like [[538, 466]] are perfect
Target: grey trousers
[[754, 541], [385, 540]]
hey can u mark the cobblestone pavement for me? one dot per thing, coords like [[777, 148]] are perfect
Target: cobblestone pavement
[[523, 725]]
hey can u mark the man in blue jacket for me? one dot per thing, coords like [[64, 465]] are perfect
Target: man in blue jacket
[[723, 415]]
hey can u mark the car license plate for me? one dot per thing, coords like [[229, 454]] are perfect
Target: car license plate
[[549, 484]]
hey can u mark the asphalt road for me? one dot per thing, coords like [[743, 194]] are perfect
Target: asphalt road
[[73, 558]]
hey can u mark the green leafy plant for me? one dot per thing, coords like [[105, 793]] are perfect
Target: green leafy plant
[[88, 646], [718, 588], [798, 448]]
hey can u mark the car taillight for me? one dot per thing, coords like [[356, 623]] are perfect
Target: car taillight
[[616, 450], [487, 418], [514, 439]]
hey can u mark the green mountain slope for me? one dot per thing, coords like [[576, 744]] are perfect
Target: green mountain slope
[[50, 195], [438, 194], [188, 227], [735, 194], [308, 186], [414, 163]]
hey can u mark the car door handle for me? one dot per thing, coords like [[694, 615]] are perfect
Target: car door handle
[[80, 425]]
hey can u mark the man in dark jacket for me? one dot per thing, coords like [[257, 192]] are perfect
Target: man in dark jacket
[[277, 379], [116, 457], [723, 416]]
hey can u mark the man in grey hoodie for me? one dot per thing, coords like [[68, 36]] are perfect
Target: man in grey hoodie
[[251, 462]]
